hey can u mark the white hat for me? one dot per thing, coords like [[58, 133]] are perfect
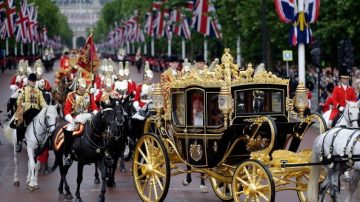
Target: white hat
[[126, 70], [29, 70], [82, 82], [38, 67], [110, 66], [148, 72]]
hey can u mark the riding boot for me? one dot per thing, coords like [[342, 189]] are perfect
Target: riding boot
[[67, 147], [20, 133]]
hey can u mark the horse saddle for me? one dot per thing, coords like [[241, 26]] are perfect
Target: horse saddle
[[59, 138]]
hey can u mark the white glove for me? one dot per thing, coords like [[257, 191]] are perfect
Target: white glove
[[92, 90], [82, 118], [94, 112], [13, 87], [25, 80], [341, 108], [69, 118]]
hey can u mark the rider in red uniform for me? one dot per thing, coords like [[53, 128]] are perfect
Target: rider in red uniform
[[342, 93], [77, 103]]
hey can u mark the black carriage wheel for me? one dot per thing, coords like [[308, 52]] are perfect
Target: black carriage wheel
[[222, 190], [252, 181], [151, 168]]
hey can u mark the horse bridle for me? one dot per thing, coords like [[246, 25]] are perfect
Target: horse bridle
[[46, 129], [349, 118]]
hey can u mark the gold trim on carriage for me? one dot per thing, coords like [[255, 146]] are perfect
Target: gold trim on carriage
[[236, 126]]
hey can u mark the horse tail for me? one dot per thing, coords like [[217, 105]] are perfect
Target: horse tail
[[8, 131], [55, 165], [313, 185]]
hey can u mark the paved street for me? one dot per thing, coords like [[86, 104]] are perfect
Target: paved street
[[125, 190]]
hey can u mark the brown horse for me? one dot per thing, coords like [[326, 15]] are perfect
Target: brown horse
[[60, 91]]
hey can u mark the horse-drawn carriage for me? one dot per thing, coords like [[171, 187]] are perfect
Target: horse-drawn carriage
[[237, 127]]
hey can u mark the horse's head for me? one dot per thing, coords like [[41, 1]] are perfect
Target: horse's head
[[119, 111], [51, 114], [109, 115], [351, 113]]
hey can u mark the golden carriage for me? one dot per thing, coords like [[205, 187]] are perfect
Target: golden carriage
[[239, 128]]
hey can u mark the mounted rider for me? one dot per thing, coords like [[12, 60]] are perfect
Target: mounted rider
[[143, 93], [108, 91], [341, 93], [131, 83], [78, 106], [29, 104], [41, 83], [16, 83]]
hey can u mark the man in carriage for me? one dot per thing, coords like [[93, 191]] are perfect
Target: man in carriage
[[29, 104], [41, 83], [78, 106], [16, 83], [341, 93]]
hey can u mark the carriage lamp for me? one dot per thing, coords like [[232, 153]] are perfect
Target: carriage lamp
[[225, 103], [158, 99], [301, 100]]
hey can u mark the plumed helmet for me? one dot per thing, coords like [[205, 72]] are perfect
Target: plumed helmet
[[108, 82], [126, 70], [148, 73], [21, 66], [32, 77], [199, 58], [121, 69], [82, 82], [38, 67]]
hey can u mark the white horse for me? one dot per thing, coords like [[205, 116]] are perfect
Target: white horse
[[36, 134], [336, 147], [348, 118]]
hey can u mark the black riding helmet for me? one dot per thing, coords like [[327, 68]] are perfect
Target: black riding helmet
[[32, 77]]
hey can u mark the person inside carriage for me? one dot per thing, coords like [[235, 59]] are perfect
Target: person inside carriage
[[197, 101], [79, 107], [41, 83], [16, 83], [341, 93], [29, 104]]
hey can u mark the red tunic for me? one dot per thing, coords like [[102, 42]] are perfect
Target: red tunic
[[70, 104], [64, 62], [326, 105], [13, 81], [131, 87], [47, 86], [339, 98]]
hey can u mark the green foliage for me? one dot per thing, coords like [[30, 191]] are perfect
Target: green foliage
[[338, 20]]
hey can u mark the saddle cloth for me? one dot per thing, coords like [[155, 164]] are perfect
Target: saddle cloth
[[59, 138]]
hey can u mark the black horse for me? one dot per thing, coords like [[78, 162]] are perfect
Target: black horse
[[90, 148], [115, 149]]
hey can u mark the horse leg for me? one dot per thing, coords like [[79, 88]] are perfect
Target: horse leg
[[33, 182], [63, 171], [36, 174], [16, 162], [102, 166], [122, 161], [28, 177], [111, 172], [78, 181], [203, 187], [188, 179], [96, 180], [334, 183], [353, 185], [323, 187]]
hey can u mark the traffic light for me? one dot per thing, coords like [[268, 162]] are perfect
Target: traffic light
[[316, 54]]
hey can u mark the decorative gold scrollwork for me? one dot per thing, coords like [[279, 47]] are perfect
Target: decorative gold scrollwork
[[196, 151]]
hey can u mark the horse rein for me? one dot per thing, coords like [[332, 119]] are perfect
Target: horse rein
[[46, 129]]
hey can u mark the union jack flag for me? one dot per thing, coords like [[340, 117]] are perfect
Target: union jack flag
[[300, 31], [180, 24], [32, 23], [161, 22], [149, 24], [7, 25], [21, 23], [205, 20]]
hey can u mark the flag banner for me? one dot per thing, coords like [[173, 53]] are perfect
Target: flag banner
[[88, 59], [205, 20]]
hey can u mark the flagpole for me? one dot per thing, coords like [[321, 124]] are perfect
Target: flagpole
[[7, 47], [33, 47], [238, 50], [301, 50], [152, 47], [91, 61], [21, 49], [145, 48], [183, 48], [205, 48], [169, 46]]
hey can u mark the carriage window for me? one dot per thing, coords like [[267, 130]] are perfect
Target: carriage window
[[178, 108], [215, 116], [259, 101], [196, 115]]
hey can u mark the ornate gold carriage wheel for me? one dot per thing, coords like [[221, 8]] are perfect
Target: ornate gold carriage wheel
[[151, 168]]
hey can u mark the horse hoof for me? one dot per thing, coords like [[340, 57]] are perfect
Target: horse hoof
[[96, 181], [111, 184], [37, 187], [69, 196], [16, 184], [101, 199], [62, 196], [78, 200], [31, 188]]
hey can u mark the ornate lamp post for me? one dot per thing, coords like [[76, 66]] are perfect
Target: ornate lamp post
[[225, 103], [301, 100], [158, 99]]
